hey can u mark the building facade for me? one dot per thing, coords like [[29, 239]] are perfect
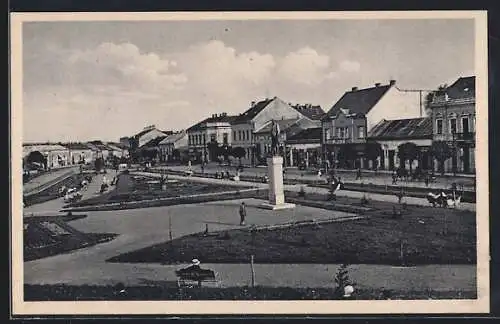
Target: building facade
[[56, 155], [346, 125], [390, 134], [171, 145], [79, 153], [454, 122]]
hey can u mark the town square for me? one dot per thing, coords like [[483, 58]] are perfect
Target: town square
[[250, 160]]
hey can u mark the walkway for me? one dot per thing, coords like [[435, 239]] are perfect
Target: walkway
[[348, 176], [47, 179], [139, 228], [307, 189]]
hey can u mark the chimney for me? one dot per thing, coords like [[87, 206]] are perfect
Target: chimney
[[392, 82], [377, 84], [354, 89]]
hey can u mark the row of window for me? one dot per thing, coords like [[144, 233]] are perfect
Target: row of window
[[453, 126], [345, 132], [242, 135], [200, 139]]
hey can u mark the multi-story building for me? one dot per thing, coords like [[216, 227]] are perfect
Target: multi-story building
[[346, 125], [56, 155], [206, 137], [80, 153], [454, 122]]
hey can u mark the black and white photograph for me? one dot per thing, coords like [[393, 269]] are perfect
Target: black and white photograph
[[226, 162]]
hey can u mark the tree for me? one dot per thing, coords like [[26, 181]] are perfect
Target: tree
[[441, 152], [239, 153], [37, 157], [408, 152], [373, 151], [431, 95], [99, 163]]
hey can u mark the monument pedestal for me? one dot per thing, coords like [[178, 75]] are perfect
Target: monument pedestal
[[276, 188]]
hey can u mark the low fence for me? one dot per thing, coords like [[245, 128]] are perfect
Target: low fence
[[183, 200]]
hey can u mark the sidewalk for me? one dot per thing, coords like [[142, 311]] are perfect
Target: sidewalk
[[47, 179], [348, 176]]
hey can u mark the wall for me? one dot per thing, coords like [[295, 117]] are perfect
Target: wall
[[351, 124], [276, 109], [395, 104]]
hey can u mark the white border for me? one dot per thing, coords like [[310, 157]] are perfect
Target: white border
[[480, 305]]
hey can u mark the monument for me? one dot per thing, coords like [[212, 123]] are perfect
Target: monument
[[275, 173]]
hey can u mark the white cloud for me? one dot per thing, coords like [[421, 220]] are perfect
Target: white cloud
[[305, 66], [350, 66]]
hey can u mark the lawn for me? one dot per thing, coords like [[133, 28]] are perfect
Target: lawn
[[424, 235], [170, 292], [130, 188]]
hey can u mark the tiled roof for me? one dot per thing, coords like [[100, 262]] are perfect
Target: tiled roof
[[402, 128], [306, 136], [283, 124], [218, 118], [170, 139], [311, 112], [359, 101], [76, 146], [155, 141], [252, 111], [464, 87]]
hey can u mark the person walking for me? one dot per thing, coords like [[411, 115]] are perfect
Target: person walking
[[358, 174], [243, 213]]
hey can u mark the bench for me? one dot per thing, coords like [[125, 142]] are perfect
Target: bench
[[200, 276]]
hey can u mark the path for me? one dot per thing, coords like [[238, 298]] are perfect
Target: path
[[47, 179], [307, 189], [381, 178]]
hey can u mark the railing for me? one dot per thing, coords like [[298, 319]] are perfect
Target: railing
[[468, 136]]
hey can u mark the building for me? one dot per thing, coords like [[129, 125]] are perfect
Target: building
[[171, 146], [206, 138], [263, 138], [117, 149], [259, 115], [392, 133], [56, 155], [304, 147], [79, 153], [454, 122], [346, 125]]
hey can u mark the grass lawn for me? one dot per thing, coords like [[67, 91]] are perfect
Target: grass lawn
[[427, 236], [170, 292], [129, 189]]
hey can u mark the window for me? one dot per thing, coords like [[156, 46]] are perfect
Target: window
[[327, 134], [361, 132], [213, 138], [341, 132], [248, 135], [234, 136], [465, 125], [224, 139], [453, 125], [204, 138], [439, 126]]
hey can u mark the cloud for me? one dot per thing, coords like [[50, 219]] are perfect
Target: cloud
[[305, 66], [350, 66]]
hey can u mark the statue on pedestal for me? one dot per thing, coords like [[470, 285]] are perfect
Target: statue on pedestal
[[275, 138]]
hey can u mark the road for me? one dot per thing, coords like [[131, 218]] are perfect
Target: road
[[381, 178], [139, 228]]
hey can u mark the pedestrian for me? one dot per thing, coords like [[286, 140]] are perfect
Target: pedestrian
[[243, 213], [358, 174], [394, 178], [426, 180]]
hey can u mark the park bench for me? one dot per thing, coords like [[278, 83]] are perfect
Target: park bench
[[199, 277]]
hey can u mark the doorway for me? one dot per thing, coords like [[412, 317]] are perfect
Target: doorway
[[391, 159]]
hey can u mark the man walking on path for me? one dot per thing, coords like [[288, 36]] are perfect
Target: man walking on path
[[243, 213], [358, 174]]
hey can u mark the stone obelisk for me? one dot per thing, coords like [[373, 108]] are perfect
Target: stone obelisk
[[275, 174]]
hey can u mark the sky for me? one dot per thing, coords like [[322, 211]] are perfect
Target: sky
[[105, 80]]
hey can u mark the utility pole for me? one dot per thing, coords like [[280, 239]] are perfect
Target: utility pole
[[420, 91]]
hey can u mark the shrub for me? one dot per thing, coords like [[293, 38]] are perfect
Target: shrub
[[341, 280]]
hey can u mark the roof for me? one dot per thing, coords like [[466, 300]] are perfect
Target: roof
[[252, 111], [310, 111], [464, 87], [115, 146], [155, 141], [76, 146], [221, 118], [170, 139], [402, 128], [144, 131], [359, 101], [306, 135], [283, 124]]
